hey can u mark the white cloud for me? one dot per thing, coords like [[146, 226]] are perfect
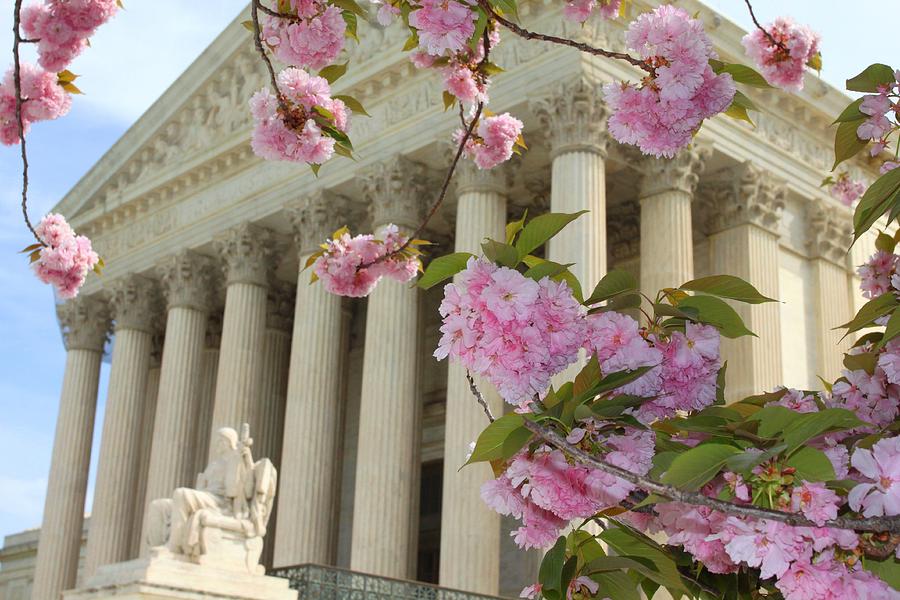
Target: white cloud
[[23, 502]]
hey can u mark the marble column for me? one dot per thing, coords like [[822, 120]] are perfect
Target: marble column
[[85, 323], [387, 467], [308, 496], [829, 236], [148, 418], [207, 396], [574, 118], [269, 417], [667, 243], [134, 301], [248, 253], [470, 531], [745, 214], [187, 283]]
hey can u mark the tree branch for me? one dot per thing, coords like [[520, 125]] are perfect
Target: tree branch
[[20, 124], [479, 397], [543, 37], [763, 29], [255, 7], [876, 524]]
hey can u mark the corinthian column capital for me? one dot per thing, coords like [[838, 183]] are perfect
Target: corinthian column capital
[[469, 178], [681, 173], [830, 231], [397, 191], [249, 254], [135, 302], [744, 195], [84, 322], [187, 280], [574, 117], [315, 218]]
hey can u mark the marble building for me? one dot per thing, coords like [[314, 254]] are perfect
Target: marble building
[[207, 321]]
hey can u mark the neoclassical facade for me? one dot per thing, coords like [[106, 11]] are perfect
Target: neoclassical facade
[[207, 320]]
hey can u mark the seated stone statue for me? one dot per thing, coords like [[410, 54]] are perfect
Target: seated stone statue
[[223, 520]]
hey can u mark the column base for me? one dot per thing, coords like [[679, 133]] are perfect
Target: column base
[[163, 576]]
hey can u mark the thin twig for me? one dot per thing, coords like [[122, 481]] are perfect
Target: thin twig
[[876, 524], [20, 124], [274, 13], [586, 48], [255, 6], [479, 397], [763, 29]]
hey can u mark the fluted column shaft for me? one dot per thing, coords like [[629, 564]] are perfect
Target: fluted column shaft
[[85, 322], [148, 419], [579, 183], [247, 251], [206, 398], [470, 531], [667, 247], [56, 565], [751, 253], [113, 509], [833, 308]]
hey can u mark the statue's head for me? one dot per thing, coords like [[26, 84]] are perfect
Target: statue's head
[[226, 440]]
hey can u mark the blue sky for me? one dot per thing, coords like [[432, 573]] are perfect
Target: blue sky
[[130, 62]]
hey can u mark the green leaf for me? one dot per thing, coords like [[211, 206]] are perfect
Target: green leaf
[[449, 100], [773, 420], [864, 361], [548, 268], [810, 425], [878, 199], [490, 442], [631, 544], [614, 407], [542, 228], [811, 465], [616, 585], [851, 113], [744, 462], [353, 104], [888, 570], [891, 330], [550, 573], [443, 268], [846, 143], [315, 168], [738, 112], [871, 310], [502, 254], [588, 377], [691, 470], [720, 383], [350, 20], [613, 283], [727, 286], [619, 303], [740, 73], [871, 78], [514, 227], [343, 150], [333, 72], [480, 26], [490, 68], [716, 312], [412, 42], [351, 6], [572, 282]]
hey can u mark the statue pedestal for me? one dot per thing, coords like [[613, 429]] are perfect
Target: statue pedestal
[[162, 576]]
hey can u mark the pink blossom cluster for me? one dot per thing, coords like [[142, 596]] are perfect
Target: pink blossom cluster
[[513, 330], [42, 99], [583, 585], [62, 28], [313, 40], [686, 364], [782, 62], [880, 109], [545, 491], [296, 134], [443, 26], [879, 274], [879, 467], [493, 140], [847, 190], [353, 266], [580, 10], [66, 258], [874, 398], [661, 114]]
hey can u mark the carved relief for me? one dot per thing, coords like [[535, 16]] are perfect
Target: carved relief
[[681, 173], [187, 280], [743, 195], [396, 190], [315, 218], [829, 233], [134, 302], [574, 117], [249, 254]]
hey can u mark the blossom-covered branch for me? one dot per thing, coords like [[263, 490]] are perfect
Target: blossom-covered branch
[[20, 123], [874, 524]]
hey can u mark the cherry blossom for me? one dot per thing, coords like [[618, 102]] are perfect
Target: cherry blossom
[[847, 190], [581, 10], [62, 28], [782, 63], [66, 258], [312, 41], [881, 465], [876, 273], [443, 25], [43, 99], [353, 266], [493, 141], [661, 114]]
